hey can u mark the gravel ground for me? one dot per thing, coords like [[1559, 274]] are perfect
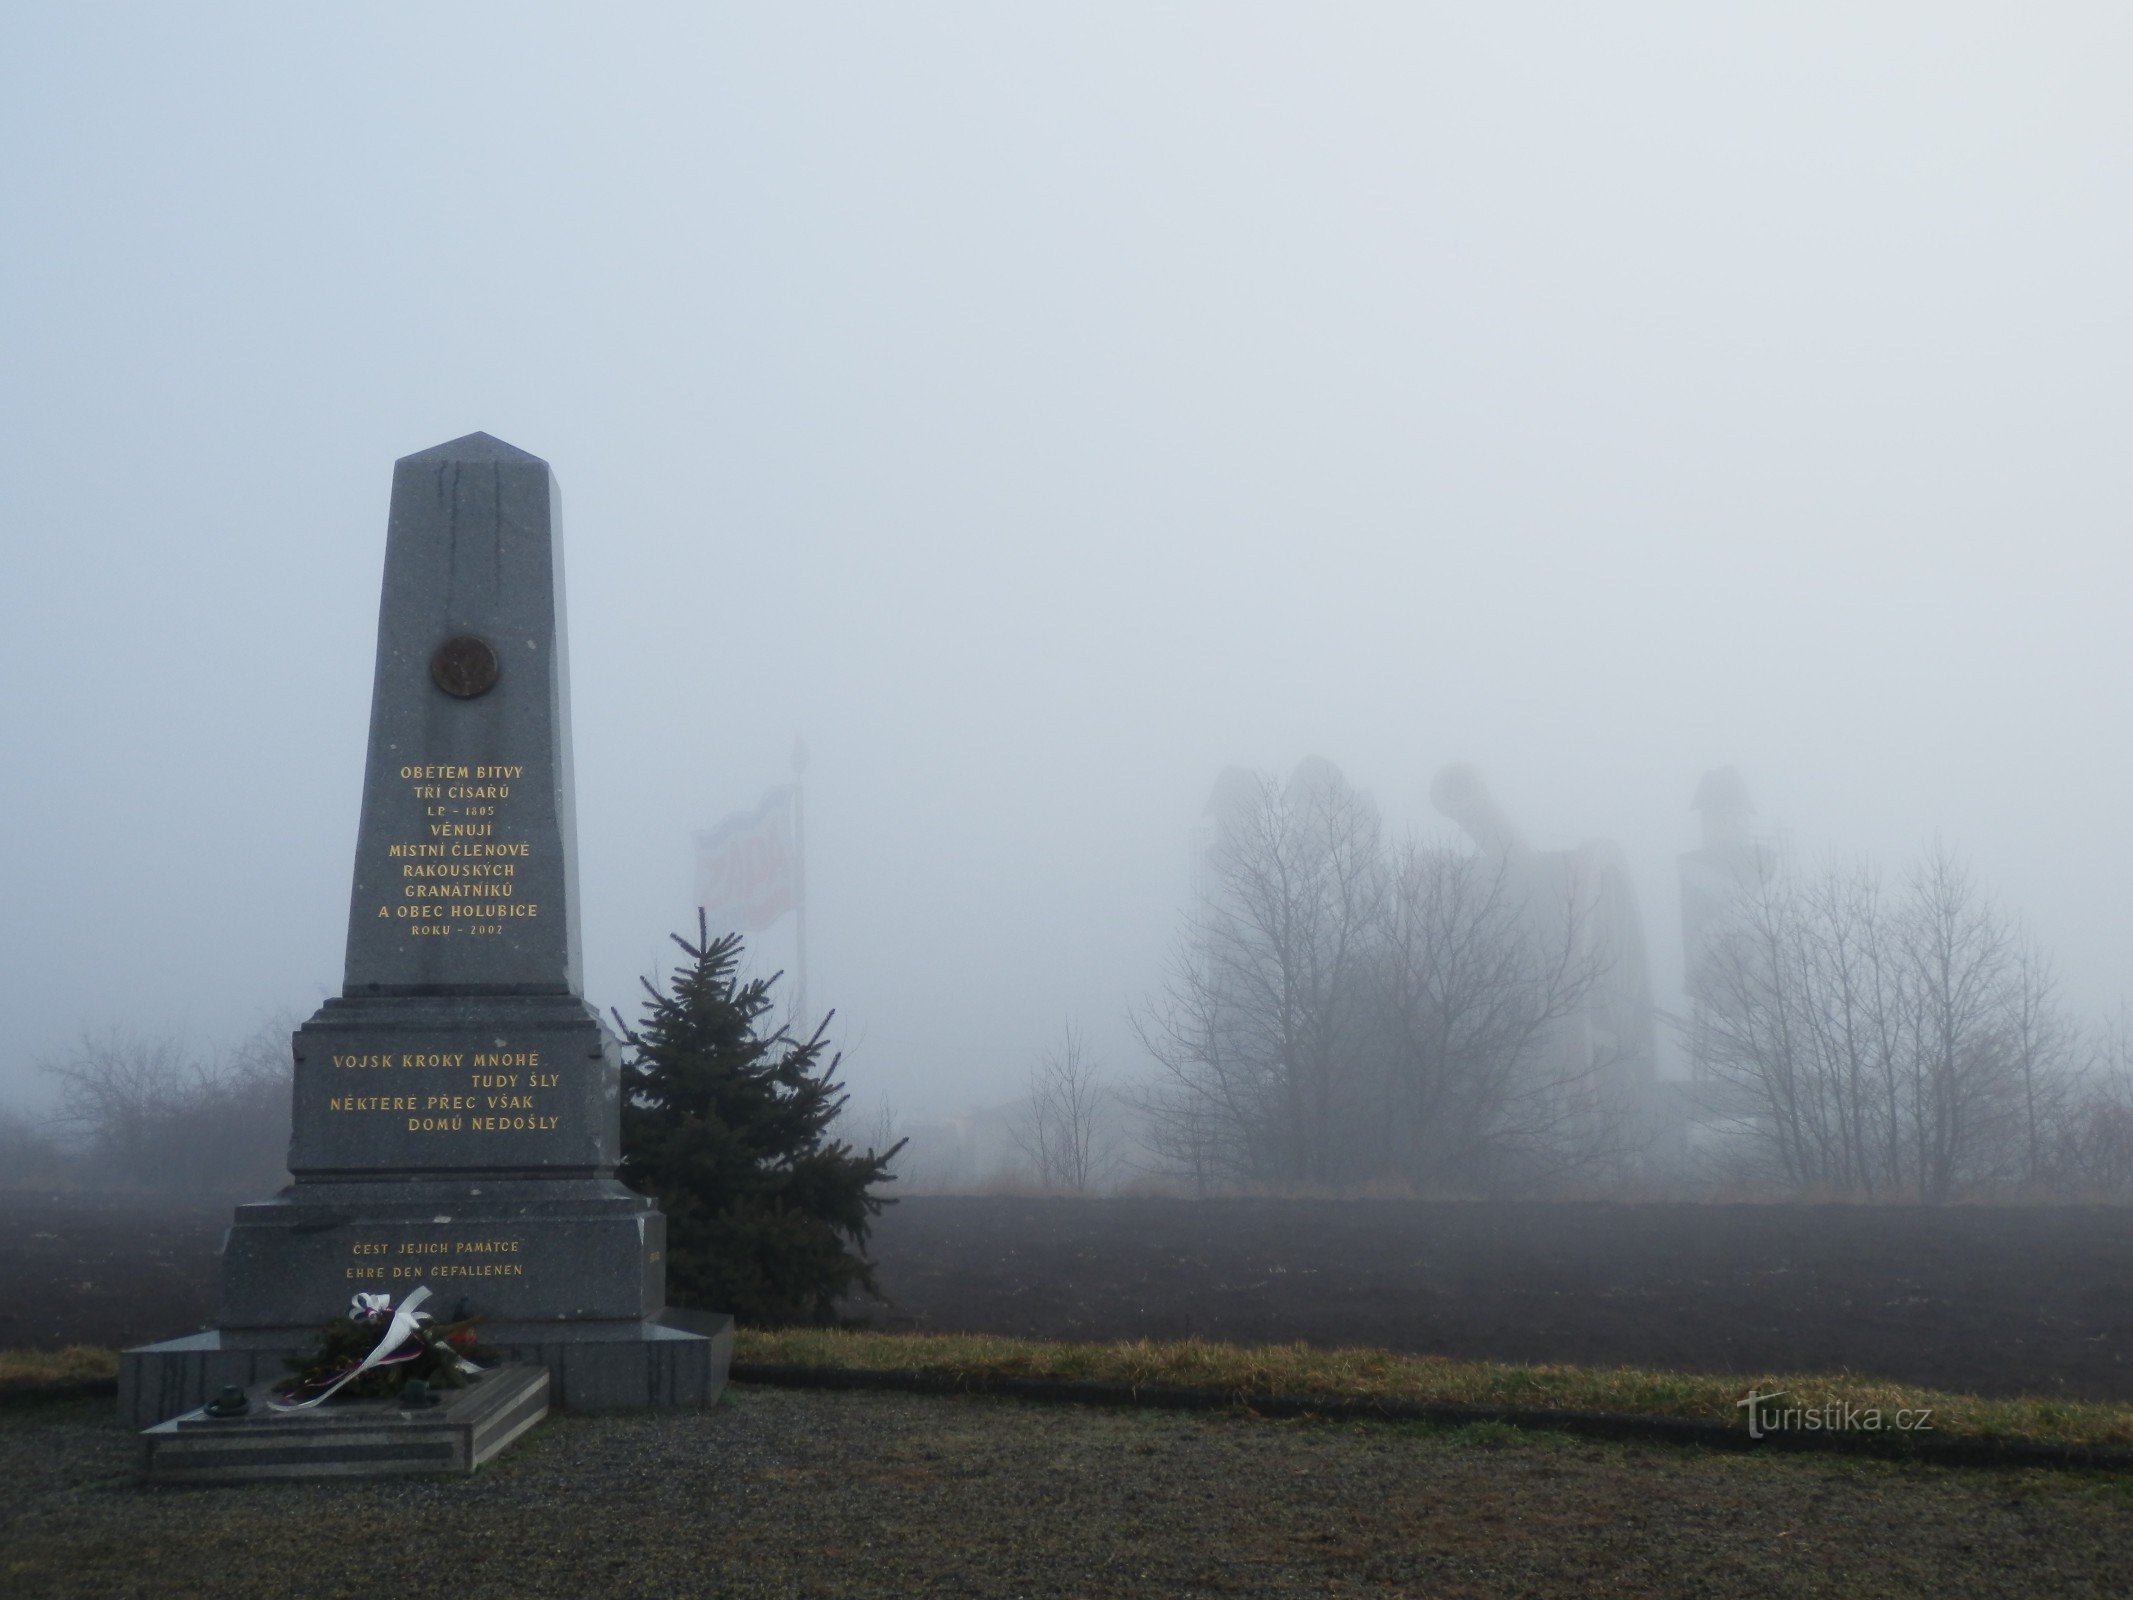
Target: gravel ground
[[810, 1493]]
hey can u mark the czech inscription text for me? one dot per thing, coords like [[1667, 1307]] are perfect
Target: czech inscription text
[[460, 877], [434, 1258], [499, 1091]]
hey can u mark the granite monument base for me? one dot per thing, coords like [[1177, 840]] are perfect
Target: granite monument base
[[676, 1361], [348, 1439], [502, 1248], [455, 1084]]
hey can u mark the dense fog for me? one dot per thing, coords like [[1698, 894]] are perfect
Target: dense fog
[[1043, 414]]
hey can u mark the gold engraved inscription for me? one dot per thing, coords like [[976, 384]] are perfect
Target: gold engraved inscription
[[434, 1258], [461, 863], [485, 1100]]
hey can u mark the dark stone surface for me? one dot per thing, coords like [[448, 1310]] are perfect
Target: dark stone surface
[[514, 1250], [466, 861], [352, 1439], [676, 1361], [417, 1084], [456, 1112]]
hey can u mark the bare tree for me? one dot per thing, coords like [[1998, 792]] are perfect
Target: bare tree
[[1067, 1128], [2091, 1145], [1963, 962], [147, 1112], [1798, 1014], [119, 1094], [1258, 1032], [1340, 1012], [1884, 1044], [2044, 1042], [1483, 1082]]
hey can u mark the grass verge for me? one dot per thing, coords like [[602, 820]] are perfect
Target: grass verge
[[49, 1369], [1354, 1380], [39, 1377], [1354, 1377]]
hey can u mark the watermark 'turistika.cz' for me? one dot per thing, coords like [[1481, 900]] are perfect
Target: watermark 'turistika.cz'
[[1834, 1416]]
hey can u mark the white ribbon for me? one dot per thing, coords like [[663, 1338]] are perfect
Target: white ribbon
[[403, 1324]]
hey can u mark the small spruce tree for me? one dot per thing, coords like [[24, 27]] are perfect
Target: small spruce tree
[[727, 1128]]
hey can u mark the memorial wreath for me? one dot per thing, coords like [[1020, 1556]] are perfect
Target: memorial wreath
[[375, 1349]]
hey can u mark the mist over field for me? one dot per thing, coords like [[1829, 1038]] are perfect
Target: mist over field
[[1040, 413]]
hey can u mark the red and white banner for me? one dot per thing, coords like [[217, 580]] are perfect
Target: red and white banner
[[748, 867]]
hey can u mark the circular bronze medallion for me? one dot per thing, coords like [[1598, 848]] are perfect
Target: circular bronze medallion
[[464, 667]]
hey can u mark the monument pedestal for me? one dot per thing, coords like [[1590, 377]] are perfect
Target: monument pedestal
[[675, 1361], [456, 1119], [363, 1438]]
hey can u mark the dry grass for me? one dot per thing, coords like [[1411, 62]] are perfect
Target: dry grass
[[77, 1363], [1305, 1371]]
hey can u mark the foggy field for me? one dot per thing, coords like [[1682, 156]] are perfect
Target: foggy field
[[1985, 1300], [785, 1492], [106, 1269], [1208, 600], [1988, 1300], [781, 1493]]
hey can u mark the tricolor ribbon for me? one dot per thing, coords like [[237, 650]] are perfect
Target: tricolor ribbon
[[403, 1324]]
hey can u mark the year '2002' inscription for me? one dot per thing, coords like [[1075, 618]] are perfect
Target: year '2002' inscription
[[461, 879]]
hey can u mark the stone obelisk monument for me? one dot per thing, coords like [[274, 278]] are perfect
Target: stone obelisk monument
[[457, 1109]]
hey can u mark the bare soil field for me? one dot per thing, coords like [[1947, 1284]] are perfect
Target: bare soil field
[[107, 1269], [1998, 1300], [1989, 1300]]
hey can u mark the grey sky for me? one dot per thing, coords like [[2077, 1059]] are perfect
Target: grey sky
[[1040, 409]]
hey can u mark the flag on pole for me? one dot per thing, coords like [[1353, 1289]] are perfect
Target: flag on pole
[[747, 868]]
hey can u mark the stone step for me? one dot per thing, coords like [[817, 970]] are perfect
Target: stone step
[[348, 1439]]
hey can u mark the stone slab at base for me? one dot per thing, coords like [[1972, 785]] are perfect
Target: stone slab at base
[[350, 1439], [505, 1249], [676, 1362]]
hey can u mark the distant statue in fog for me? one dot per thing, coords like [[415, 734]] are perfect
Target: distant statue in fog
[[1717, 878], [1461, 794], [1582, 901], [1344, 1007]]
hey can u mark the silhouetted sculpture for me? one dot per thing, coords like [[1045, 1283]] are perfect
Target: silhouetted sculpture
[[1582, 904], [1732, 864]]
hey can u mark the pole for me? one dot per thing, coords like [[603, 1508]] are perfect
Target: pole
[[799, 872]]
